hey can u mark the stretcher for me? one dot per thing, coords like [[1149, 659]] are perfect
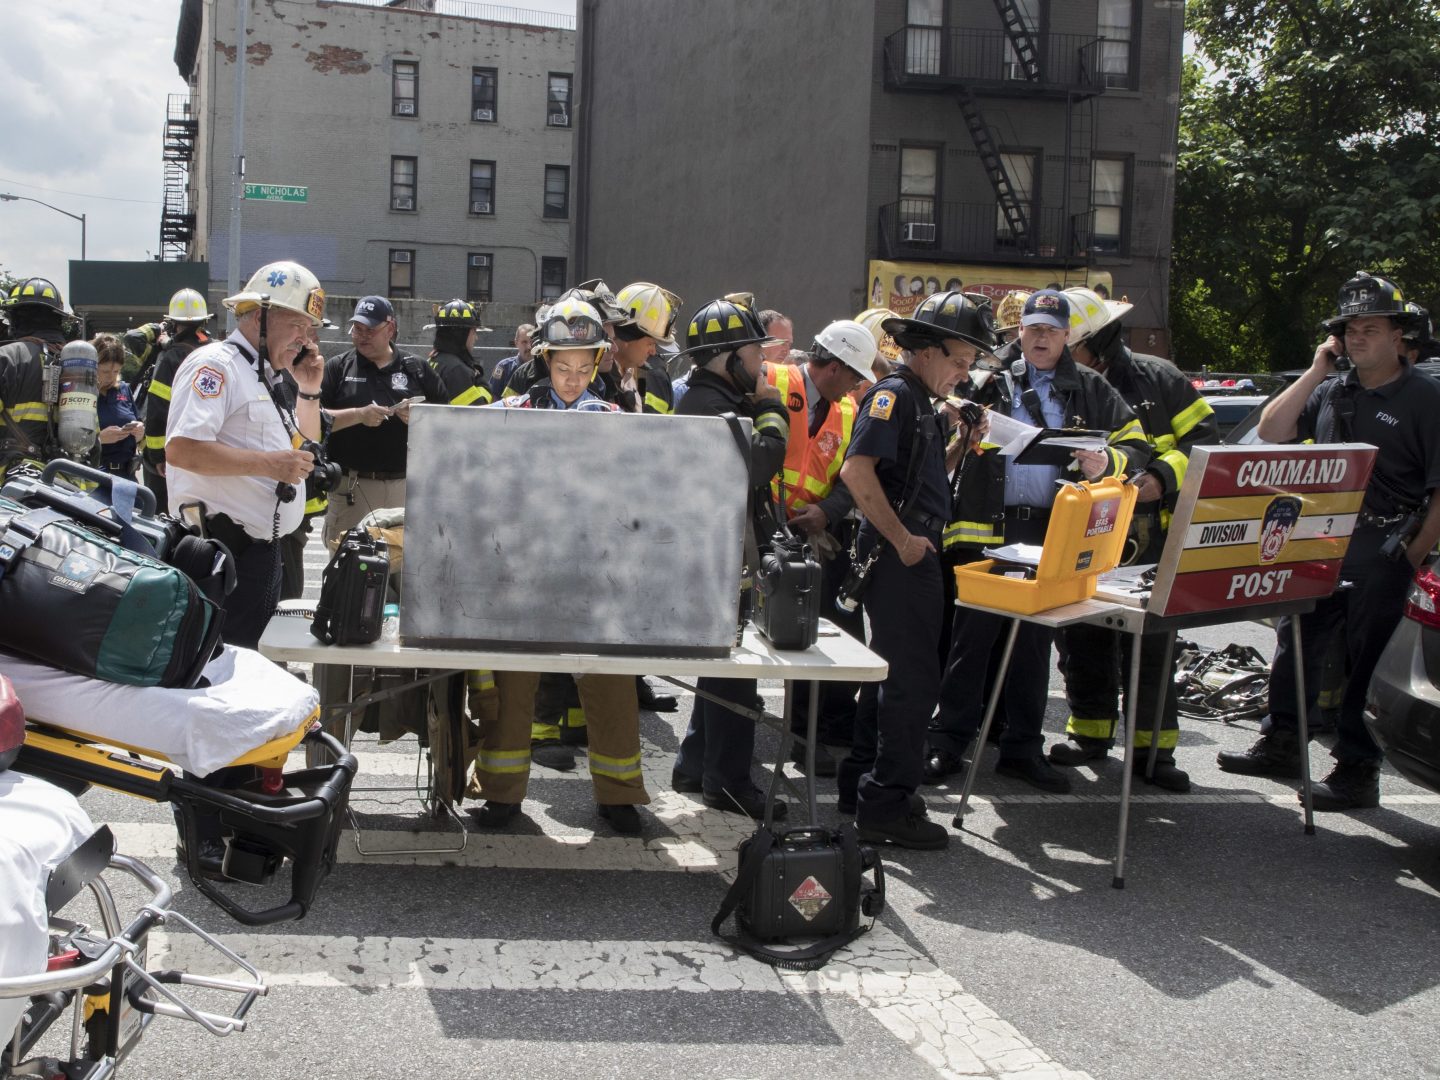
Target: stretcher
[[159, 744], [49, 854]]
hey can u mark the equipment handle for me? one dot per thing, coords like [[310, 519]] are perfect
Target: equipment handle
[[74, 469]]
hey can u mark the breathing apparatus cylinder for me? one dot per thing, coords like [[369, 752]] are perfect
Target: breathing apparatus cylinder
[[76, 419]]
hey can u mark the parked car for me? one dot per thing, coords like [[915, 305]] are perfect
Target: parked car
[[1402, 708]]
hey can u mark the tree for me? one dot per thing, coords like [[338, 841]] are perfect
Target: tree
[[1309, 149]]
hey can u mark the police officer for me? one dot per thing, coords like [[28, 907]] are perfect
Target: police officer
[[817, 505], [368, 391], [1378, 399], [231, 441], [1002, 502], [1175, 419], [455, 326], [38, 316], [895, 471], [187, 316], [725, 339]]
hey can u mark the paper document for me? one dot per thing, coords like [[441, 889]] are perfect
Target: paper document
[[1024, 554]]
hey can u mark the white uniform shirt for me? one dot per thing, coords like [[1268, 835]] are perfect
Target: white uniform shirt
[[216, 396]]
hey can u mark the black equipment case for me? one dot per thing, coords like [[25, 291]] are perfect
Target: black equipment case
[[351, 607], [787, 593]]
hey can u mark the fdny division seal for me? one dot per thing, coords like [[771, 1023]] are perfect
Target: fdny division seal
[[1278, 523]]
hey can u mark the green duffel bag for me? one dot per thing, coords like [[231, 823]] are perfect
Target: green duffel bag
[[75, 600]]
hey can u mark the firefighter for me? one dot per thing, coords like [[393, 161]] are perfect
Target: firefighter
[[185, 319], [38, 317], [572, 340], [639, 382], [1175, 420], [599, 296], [455, 326], [887, 353], [819, 398], [1007, 315]]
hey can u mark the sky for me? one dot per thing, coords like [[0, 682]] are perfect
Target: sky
[[86, 83]]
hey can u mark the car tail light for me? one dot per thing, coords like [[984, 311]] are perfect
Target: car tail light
[[1423, 603]]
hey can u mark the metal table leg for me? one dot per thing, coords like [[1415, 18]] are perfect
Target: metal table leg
[[1132, 693], [1305, 794], [990, 706]]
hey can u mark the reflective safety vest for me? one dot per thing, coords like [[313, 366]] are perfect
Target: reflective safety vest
[[811, 464]]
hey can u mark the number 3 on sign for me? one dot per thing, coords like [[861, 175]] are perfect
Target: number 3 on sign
[[1329, 524]]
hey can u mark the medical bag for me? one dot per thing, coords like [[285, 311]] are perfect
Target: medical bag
[[79, 601], [351, 607], [802, 882], [787, 593]]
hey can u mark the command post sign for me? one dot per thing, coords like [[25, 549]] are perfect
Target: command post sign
[[1260, 525]]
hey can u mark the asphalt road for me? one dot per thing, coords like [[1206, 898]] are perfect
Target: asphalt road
[[1240, 948]]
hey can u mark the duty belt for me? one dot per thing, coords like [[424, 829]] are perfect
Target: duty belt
[[1027, 513], [928, 521], [1368, 519], [368, 474]]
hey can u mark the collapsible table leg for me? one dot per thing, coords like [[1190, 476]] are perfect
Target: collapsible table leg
[[1165, 690], [780, 756], [990, 706], [1305, 795], [1132, 693], [812, 736]]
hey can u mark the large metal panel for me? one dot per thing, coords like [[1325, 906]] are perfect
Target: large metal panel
[[599, 532]]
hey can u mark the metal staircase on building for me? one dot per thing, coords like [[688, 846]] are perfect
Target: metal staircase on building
[[1014, 211], [177, 222], [1022, 39]]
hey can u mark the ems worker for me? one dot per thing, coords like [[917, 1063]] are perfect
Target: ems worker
[[37, 315], [725, 340], [1000, 502], [187, 316], [368, 391], [1175, 420], [455, 326], [1382, 401], [895, 471], [817, 505], [572, 339], [231, 440]]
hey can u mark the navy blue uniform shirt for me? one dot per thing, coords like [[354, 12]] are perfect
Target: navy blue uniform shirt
[[885, 430]]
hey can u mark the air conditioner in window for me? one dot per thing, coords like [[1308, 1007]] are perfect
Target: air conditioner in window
[[401, 203], [479, 207], [484, 114], [479, 260], [559, 119], [404, 108], [400, 256], [919, 232]]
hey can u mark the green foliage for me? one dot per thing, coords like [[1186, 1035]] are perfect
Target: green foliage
[[1309, 149]]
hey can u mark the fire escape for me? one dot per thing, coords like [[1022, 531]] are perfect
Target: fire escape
[[1015, 62], [177, 221]]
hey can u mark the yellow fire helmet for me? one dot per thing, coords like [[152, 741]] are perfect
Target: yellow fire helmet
[[871, 319], [1089, 314], [188, 306], [650, 309], [1007, 315]]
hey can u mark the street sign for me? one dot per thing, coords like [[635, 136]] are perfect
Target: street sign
[[291, 193]]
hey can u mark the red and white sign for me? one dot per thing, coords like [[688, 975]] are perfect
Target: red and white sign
[[810, 898], [1260, 525]]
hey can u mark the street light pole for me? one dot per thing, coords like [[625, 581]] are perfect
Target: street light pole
[[6, 197]]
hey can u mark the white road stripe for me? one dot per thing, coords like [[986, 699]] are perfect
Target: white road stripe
[[947, 1028]]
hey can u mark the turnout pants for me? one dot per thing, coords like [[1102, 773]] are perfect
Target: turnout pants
[[1369, 612], [1096, 664], [885, 763], [502, 765]]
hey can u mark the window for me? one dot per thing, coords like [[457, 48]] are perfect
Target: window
[[1108, 183], [923, 36], [557, 102], [1020, 170], [1117, 19], [557, 191], [919, 183], [478, 266], [482, 94], [405, 88], [402, 183], [402, 273], [552, 278], [482, 187]]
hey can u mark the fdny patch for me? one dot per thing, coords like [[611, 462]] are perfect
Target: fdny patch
[[399, 381], [810, 898], [208, 382], [882, 404], [828, 442]]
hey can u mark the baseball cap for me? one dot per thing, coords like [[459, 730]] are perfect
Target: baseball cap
[[372, 311], [1046, 308]]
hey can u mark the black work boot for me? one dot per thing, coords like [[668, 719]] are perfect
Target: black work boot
[[1348, 787], [911, 831], [1276, 754], [1078, 751], [1167, 776]]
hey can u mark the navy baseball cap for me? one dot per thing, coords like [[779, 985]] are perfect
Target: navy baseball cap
[[372, 311], [1047, 308]]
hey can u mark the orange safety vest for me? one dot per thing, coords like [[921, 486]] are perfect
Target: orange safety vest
[[811, 465]]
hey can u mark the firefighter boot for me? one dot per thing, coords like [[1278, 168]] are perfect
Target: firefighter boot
[[1348, 787], [1275, 754]]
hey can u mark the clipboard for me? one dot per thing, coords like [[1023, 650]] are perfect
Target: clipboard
[[1053, 446]]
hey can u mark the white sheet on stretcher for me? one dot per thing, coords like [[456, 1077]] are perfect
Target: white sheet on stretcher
[[40, 825], [248, 702]]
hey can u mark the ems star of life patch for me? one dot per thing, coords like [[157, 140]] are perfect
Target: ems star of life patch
[[882, 404], [810, 898], [208, 382]]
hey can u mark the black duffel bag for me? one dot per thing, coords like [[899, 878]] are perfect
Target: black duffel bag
[[79, 601]]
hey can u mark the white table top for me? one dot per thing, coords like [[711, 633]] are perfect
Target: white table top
[[836, 657]]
